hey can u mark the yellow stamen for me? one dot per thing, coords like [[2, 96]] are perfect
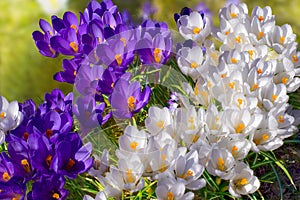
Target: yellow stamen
[[160, 124], [295, 58], [233, 15], [75, 73], [133, 145], [55, 196], [48, 160], [157, 56], [260, 34], [74, 46], [259, 70], [124, 41], [227, 32], [195, 139], [70, 164], [221, 164], [196, 90], [112, 85], [194, 65], [129, 175], [2, 115], [251, 52], [274, 97], [240, 101], [239, 127], [203, 93], [131, 103], [282, 39], [234, 60], [261, 18], [265, 137], [234, 149], [223, 75], [191, 120], [163, 157], [231, 85], [284, 80], [73, 26], [26, 135], [170, 195], [118, 58], [196, 30], [254, 87], [238, 39], [5, 176], [280, 118], [26, 165], [242, 182], [49, 132]]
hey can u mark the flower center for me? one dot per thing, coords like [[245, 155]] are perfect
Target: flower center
[[2, 115], [284, 80], [6, 176], [25, 165], [74, 46], [282, 39], [280, 118], [133, 145], [261, 18], [170, 195], [49, 132], [240, 127], [55, 196], [295, 58], [131, 103], [118, 58], [70, 164], [242, 182], [129, 175], [221, 164], [124, 41], [73, 26], [194, 65], [48, 160], [274, 97], [196, 30], [160, 124], [157, 56], [234, 149], [26, 135], [233, 15]]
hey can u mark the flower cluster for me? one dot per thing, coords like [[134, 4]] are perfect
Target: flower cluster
[[233, 99], [42, 149]]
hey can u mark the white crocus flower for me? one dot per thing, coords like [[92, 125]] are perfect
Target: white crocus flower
[[188, 171], [194, 27], [200, 94], [158, 119], [234, 12], [243, 182], [53, 6], [282, 37], [169, 188], [101, 165], [239, 148], [221, 163], [263, 14], [265, 140], [10, 117]]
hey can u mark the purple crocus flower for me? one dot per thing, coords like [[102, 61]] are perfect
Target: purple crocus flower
[[127, 98], [7, 168], [117, 53], [154, 51], [14, 189], [42, 40], [71, 158], [109, 78], [56, 100], [69, 73], [89, 114], [53, 191]]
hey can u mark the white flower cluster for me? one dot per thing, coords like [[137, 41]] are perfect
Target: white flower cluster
[[238, 104]]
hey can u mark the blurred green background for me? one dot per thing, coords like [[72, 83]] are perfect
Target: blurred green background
[[24, 73]]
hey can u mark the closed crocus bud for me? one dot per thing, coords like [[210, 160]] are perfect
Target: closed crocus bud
[[243, 181]]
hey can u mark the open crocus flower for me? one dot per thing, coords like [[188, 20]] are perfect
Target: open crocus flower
[[10, 117], [193, 25], [243, 182], [127, 98]]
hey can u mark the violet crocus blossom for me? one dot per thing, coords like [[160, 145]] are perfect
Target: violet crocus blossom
[[14, 189], [54, 189], [128, 99], [154, 51], [89, 113], [71, 156], [70, 71]]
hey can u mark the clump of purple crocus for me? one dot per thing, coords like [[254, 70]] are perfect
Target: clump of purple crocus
[[43, 149]]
